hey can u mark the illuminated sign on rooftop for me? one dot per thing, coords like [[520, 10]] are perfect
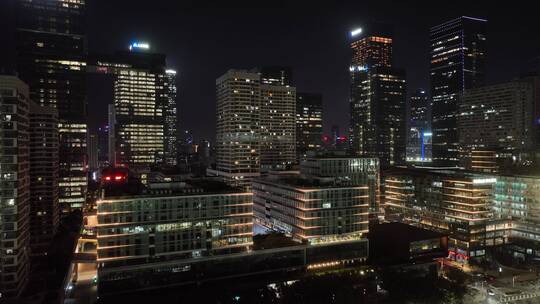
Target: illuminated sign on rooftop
[[357, 68], [173, 72], [482, 181], [139, 45], [356, 32]]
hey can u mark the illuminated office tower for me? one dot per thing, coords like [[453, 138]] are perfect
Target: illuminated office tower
[[15, 186], [51, 59], [377, 98], [458, 54], [171, 121], [278, 126], [238, 127], [44, 207], [308, 123], [419, 131], [143, 95], [501, 120]]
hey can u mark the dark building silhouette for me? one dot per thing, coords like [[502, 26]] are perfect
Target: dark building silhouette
[[51, 59]]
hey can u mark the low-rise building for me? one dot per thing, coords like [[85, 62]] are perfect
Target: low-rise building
[[453, 202], [168, 223], [328, 200]]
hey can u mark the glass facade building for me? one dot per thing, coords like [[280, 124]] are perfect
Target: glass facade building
[[457, 63], [377, 98], [419, 128], [142, 121], [171, 119], [518, 198]]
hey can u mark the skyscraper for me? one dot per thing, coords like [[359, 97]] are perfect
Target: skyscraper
[[238, 127], [308, 123], [15, 185], [92, 149], [256, 124], [277, 114], [51, 50], [142, 120], [377, 98], [103, 145], [458, 53], [419, 130], [171, 119], [44, 207]]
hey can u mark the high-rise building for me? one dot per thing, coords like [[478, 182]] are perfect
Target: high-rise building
[[419, 130], [44, 207], [171, 119], [15, 185], [51, 59], [448, 201], [378, 125], [144, 106], [111, 138], [377, 98], [458, 55], [238, 127], [309, 118], [103, 145], [255, 125], [499, 119], [92, 150], [277, 119]]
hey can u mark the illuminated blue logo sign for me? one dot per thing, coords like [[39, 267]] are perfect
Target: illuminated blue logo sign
[[356, 32], [357, 68], [139, 45]]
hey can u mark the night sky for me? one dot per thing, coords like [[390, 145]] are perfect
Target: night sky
[[202, 40]]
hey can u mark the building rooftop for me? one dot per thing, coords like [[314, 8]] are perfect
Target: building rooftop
[[396, 230], [161, 189], [304, 183], [419, 171]]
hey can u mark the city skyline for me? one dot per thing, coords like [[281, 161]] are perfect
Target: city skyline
[[355, 152], [199, 34]]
